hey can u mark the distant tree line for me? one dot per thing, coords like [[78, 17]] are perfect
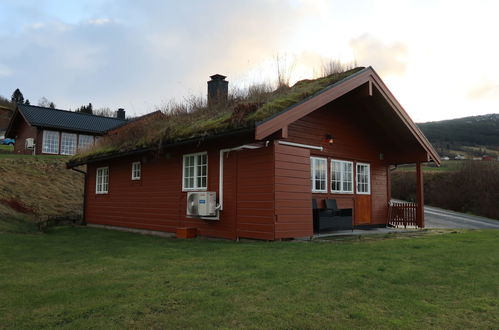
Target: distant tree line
[[468, 131]]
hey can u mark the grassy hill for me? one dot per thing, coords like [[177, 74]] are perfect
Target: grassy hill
[[471, 136], [34, 186]]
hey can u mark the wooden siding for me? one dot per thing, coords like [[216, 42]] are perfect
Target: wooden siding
[[293, 196], [255, 193], [354, 142], [156, 202]]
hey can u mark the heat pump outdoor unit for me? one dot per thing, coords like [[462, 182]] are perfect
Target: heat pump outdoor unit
[[202, 203]]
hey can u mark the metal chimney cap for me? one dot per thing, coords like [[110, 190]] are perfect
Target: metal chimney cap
[[217, 77]]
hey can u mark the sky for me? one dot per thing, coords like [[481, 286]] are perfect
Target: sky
[[437, 57]]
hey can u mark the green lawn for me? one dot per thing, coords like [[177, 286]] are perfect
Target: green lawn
[[92, 278], [446, 166]]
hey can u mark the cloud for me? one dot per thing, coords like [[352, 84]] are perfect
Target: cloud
[[137, 55], [4, 71], [390, 59], [486, 89]]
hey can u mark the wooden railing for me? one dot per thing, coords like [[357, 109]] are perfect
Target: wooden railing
[[402, 214]]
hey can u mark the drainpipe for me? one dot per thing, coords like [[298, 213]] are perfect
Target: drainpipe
[[84, 219]]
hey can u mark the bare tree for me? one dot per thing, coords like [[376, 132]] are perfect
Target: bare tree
[[44, 102]]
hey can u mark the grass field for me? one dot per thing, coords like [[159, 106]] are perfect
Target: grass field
[[78, 277], [40, 184], [446, 166]]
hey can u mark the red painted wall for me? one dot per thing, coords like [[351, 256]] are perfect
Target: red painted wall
[[353, 141], [157, 201]]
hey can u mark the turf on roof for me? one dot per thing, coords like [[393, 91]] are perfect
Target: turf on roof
[[236, 114]]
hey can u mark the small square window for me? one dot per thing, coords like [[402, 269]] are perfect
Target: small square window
[[102, 180], [195, 173], [136, 168]]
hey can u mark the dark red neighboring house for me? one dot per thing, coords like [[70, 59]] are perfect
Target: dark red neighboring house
[[41, 130], [340, 143], [5, 114]]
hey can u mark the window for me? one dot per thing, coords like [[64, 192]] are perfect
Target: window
[[136, 171], [68, 144], [363, 178], [195, 173], [85, 141], [318, 174], [102, 180], [341, 176], [50, 142]]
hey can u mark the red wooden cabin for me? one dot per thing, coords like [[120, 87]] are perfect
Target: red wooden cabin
[[348, 136]]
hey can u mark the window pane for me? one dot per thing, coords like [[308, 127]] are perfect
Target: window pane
[[68, 144], [341, 176], [363, 178], [50, 142], [318, 174], [85, 141]]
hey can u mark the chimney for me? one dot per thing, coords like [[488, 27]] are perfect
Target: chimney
[[218, 89], [120, 114]]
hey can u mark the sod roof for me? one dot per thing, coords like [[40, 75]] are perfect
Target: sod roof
[[237, 114]]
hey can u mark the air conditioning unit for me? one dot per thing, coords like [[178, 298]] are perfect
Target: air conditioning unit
[[29, 143], [202, 203]]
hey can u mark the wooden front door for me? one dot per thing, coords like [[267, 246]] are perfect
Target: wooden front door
[[362, 209]]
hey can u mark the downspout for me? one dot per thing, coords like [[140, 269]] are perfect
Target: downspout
[[84, 219]]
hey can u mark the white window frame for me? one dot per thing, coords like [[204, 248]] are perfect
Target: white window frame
[[46, 139], [195, 173], [313, 171], [66, 137], [80, 136], [136, 170], [357, 178], [343, 176], [101, 185]]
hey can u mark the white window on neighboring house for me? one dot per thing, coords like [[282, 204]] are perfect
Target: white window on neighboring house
[[102, 180], [341, 176], [318, 171], [68, 144], [195, 171], [85, 141], [363, 178], [50, 144], [136, 171]]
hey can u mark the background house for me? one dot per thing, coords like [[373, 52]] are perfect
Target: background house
[[5, 115], [263, 162], [57, 132]]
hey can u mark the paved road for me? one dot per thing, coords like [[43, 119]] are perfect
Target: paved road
[[439, 218]]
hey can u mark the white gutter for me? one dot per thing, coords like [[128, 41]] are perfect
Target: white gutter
[[299, 145], [220, 206]]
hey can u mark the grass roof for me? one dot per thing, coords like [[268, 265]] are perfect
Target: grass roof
[[193, 119]]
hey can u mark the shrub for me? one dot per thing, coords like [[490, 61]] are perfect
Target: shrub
[[472, 188]]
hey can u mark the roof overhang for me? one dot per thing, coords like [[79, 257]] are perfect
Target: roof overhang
[[367, 77]]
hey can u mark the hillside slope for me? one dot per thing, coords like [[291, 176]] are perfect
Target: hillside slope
[[39, 186], [476, 135]]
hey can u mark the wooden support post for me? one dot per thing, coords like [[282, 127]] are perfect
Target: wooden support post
[[419, 196]]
